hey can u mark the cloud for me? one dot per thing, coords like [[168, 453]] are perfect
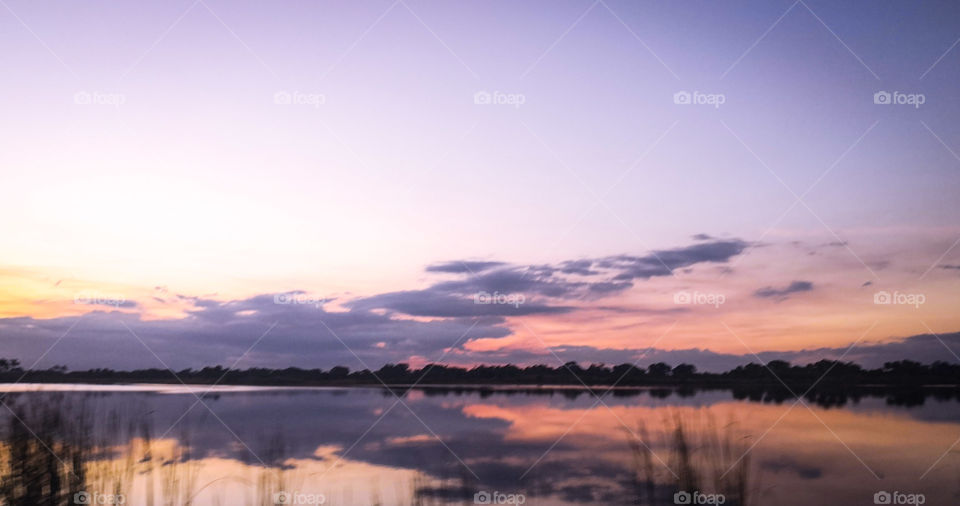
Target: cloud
[[950, 267], [474, 303], [542, 288], [924, 348], [219, 332], [664, 262], [770, 292], [309, 336], [581, 267], [439, 304]]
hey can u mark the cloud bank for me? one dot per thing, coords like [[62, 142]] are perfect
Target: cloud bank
[[469, 300]]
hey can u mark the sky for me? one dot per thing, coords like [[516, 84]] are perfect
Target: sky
[[201, 182]]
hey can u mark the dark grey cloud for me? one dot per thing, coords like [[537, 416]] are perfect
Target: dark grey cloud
[[950, 267], [770, 292], [581, 267], [664, 262], [444, 305], [216, 332], [541, 289], [610, 286], [505, 291], [532, 280]]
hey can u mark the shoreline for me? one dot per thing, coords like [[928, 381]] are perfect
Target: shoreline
[[230, 387]]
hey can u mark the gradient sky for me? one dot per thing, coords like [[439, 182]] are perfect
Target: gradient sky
[[145, 159]]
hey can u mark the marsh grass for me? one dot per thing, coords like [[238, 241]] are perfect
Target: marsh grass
[[43, 456], [51, 452], [701, 456], [53, 448]]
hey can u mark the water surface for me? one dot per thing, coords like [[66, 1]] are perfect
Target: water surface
[[244, 445]]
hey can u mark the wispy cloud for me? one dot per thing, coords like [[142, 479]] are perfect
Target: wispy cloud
[[769, 292]]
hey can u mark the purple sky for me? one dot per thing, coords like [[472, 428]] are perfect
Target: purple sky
[[195, 159]]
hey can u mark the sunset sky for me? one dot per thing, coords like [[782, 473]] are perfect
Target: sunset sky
[[301, 183]]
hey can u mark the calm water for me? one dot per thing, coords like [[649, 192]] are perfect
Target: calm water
[[363, 446]]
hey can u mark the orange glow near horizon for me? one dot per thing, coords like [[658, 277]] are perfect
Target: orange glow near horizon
[[837, 312]]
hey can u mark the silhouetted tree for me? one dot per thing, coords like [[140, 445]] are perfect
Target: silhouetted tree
[[659, 370]]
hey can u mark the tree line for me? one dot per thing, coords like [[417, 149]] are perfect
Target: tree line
[[774, 373]]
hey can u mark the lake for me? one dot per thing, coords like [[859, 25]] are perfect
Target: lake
[[159, 444]]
